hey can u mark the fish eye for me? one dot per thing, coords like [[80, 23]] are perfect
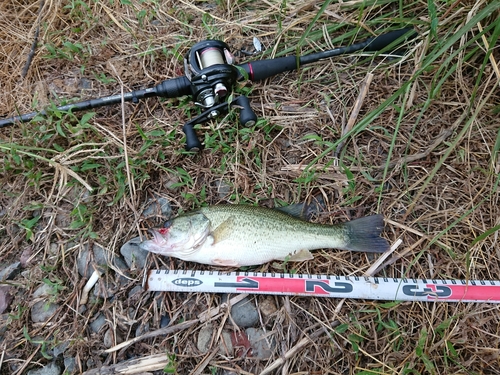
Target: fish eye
[[167, 224]]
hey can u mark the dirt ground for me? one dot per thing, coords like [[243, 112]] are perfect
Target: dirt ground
[[421, 147]]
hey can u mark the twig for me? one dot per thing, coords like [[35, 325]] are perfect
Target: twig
[[302, 343], [355, 111], [376, 266], [411, 158], [35, 42], [162, 331], [204, 363], [178, 327], [133, 366]]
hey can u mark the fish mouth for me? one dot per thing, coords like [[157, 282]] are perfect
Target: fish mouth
[[158, 244], [157, 237]]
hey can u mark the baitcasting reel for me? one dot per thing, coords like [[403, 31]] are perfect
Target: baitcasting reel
[[209, 66], [210, 75]]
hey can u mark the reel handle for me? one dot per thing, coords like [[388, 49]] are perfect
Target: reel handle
[[192, 141], [247, 118]]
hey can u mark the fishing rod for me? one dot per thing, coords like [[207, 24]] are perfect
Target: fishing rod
[[372, 288], [210, 75]]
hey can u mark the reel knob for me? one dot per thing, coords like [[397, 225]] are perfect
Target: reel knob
[[247, 115], [192, 141]]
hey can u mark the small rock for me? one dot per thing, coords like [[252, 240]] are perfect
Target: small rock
[[44, 290], [110, 340], [5, 298], [142, 329], [42, 311], [63, 215], [98, 323], [244, 313], [11, 271], [84, 84], [262, 344], [135, 257], [119, 263], [105, 289], [267, 307], [223, 188], [86, 260], [123, 280], [69, 365], [26, 256], [205, 338], [165, 321], [135, 292], [53, 249], [158, 207], [61, 348], [51, 369]]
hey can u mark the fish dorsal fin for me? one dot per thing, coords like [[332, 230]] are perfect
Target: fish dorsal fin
[[300, 256], [296, 210], [223, 230]]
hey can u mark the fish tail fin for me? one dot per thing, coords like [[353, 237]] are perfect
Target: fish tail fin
[[364, 235]]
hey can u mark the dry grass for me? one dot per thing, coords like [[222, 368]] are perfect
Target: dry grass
[[423, 151]]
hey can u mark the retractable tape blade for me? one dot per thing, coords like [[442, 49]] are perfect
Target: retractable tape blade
[[371, 288]]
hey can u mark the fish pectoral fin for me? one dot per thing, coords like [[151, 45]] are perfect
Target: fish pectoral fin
[[223, 231], [300, 256], [225, 262]]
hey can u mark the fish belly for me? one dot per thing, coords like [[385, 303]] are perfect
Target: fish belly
[[232, 252]]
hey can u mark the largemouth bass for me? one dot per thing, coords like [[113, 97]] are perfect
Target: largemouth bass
[[241, 235]]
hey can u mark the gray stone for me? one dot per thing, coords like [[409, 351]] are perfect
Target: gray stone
[[142, 329], [98, 323], [5, 298], [135, 292], [134, 256], [165, 321], [50, 369], [42, 311], [244, 313], [61, 348], [84, 84], [111, 338], [119, 263], [70, 365], [11, 271], [158, 207], [87, 259], [205, 339], [104, 288], [53, 249], [262, 344], [223, 188], [44, 290]]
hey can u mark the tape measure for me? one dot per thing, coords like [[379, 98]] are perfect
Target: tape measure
[[374, 288]]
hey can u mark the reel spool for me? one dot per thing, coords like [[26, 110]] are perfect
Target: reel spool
[[209, 67]]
